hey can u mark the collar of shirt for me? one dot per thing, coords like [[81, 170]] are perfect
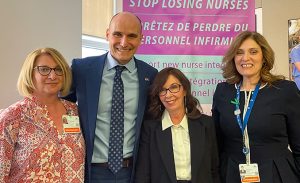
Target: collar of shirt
[[111, 63], [167, 122], [261, 86]]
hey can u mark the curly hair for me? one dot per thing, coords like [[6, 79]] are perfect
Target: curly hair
[[156, 108], [230, 72]]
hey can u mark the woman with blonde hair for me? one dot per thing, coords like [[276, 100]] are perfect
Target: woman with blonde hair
[[35, 145]]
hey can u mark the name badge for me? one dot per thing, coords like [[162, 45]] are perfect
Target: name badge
[[249, 172], [71, 124]]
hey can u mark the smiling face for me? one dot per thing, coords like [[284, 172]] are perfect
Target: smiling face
[[249, 60], [50, 85], [124, 36], [173, 102]]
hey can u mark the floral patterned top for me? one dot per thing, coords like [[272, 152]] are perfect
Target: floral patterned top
[[32, 150]]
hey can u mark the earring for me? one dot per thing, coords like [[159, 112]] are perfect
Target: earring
[[186, 109]]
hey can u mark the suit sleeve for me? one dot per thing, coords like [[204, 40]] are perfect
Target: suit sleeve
[[142, 174], [293, 121]]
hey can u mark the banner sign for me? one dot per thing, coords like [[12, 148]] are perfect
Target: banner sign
[[191, 35]]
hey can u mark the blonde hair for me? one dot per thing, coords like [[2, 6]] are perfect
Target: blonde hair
[[25, 81]]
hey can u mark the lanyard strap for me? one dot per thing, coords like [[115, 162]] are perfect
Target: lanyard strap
[[243, 125], [237, 112]]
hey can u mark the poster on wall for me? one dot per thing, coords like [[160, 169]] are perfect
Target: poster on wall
[[191, 35], [294, 50]]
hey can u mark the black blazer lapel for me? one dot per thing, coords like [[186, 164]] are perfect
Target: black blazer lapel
[[165, 148], [197, 143]]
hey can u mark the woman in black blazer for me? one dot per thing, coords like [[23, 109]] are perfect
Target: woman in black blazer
[[178, 142], [257, 116]]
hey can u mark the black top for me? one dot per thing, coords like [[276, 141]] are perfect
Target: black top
[[156, 164], [274, 123]]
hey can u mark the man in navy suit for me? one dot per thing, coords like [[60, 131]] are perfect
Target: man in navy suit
[[92, 89]]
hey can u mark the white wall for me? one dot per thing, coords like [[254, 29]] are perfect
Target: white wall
[[27, 25], [258, 19], [275, 15]]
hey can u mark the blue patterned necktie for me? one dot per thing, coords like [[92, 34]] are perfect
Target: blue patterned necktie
[[116, 138]]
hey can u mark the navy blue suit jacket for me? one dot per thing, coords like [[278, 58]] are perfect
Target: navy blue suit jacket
[[87, 77]]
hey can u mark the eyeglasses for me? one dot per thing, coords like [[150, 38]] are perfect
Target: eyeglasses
[[45, 70], [174, 88]]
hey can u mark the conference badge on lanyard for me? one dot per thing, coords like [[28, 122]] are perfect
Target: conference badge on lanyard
[[249, 173]]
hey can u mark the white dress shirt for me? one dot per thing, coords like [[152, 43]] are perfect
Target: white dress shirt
[[181, 146]]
